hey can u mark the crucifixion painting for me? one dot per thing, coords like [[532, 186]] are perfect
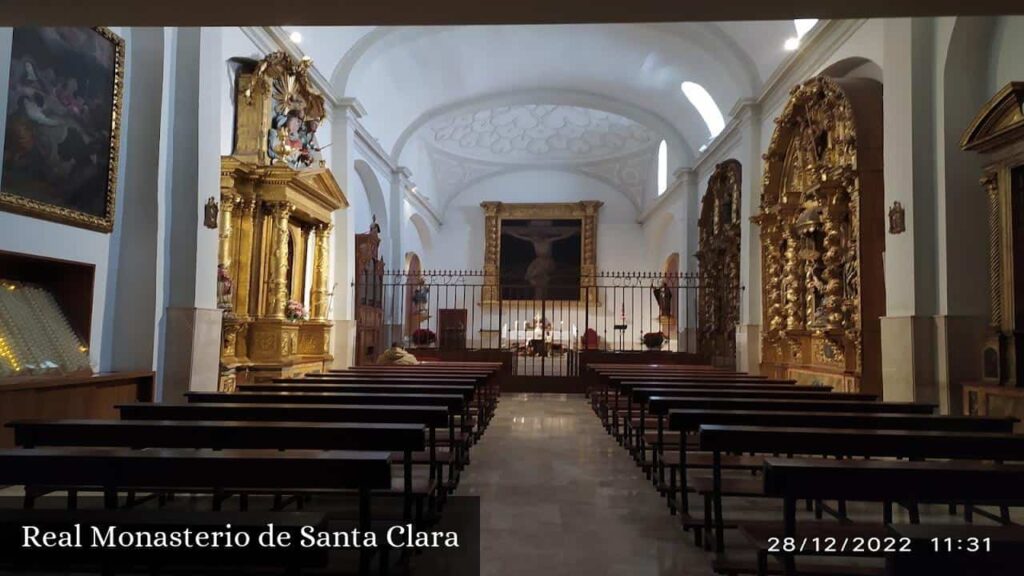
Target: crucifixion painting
[[540, 259]]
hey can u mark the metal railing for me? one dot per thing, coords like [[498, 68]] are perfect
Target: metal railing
[[459, 309]]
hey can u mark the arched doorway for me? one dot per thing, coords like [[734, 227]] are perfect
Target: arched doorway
[[719, 259], [822, 237]]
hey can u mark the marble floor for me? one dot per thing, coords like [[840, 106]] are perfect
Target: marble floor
[[558, 496]]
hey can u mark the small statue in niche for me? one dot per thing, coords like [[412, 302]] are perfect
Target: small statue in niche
[[815, 294], [663, 295], [211, 213], [897, 218], [224, 288]]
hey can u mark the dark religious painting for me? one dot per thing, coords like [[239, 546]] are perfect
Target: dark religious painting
[[540, 259], [63, 115]]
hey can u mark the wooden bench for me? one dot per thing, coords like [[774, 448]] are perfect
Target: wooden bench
[[466, 389], [113, 469], [660, 406], [843, 443], [610, 397], [640, 397], [687, 421], [433, 417], [886, 481], [218, 435]]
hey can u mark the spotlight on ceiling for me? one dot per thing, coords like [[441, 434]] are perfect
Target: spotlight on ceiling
[[703, 147], [792, 44], [295, 37]]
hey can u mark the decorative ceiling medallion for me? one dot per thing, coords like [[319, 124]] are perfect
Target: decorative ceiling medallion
[[543, 133]]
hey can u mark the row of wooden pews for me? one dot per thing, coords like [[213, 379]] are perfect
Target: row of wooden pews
[[327, 450], [748, 450]]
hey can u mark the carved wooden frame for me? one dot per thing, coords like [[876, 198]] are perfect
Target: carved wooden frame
[[495, 212], [997, 132]]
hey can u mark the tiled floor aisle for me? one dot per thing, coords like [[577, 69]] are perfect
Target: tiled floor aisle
[[559, 497]]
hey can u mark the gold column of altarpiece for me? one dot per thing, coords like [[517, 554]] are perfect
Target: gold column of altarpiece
[[277, 200], [822, 237]]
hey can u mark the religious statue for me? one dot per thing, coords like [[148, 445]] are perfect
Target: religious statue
[[815, 296], [292, 140], [663, 295], [224, 288]]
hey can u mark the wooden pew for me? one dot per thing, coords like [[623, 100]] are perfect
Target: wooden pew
[[218, 435], [659, 407], [433, 417], [886, 481], [478, 389], [911, 444], [454, 403], [615, 391], [251, 559], [687, 421], [640, 397], [114, 469]]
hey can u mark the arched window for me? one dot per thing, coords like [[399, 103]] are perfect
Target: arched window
[[706, 106], [662, 167]]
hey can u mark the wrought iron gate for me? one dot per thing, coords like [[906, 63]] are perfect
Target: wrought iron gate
[[445, 310]]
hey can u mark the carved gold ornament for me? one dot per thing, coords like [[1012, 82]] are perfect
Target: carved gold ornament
[[809, 223], [719, 259]]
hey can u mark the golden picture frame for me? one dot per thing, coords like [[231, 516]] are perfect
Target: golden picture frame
[[62, 136], [496, 212]]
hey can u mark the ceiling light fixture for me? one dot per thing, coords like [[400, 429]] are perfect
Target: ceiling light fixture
[[295, 37], [792, 44], [703, 147]]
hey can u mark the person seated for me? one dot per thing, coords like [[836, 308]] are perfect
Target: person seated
[[396, 356]]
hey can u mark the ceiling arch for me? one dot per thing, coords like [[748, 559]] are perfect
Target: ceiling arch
[[680, 147], [409, 71]]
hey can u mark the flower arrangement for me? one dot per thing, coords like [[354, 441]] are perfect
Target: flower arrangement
[[654, 340], [423, 337], [294, 311]]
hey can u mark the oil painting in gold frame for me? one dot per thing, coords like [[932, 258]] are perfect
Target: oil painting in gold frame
[[62, 134]]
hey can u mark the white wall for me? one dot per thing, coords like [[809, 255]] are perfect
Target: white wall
[[1007, 63]]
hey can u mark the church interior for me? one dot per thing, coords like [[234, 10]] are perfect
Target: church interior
[[549, 294]]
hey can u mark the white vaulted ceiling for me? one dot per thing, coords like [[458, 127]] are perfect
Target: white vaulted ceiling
[[457, 104], [539, 133]]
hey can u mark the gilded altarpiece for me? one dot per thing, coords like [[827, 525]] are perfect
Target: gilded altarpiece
[[276, 205], [719, 259], [822, 237], [997, 132]]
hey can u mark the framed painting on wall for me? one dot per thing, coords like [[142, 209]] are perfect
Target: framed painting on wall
[[62, 131]]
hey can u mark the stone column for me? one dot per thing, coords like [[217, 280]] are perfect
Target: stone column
[[278, 273], [321, 272]]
